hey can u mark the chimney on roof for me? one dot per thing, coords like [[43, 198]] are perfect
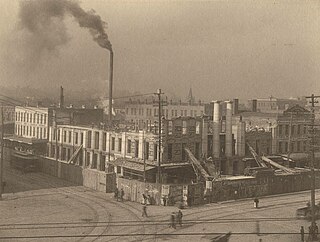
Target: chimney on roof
[[254, 105], [235, 106], [61, 104]]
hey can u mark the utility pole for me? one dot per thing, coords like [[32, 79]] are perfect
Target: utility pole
[[312, 143], [289, 139], [1, 160], [159, 93]]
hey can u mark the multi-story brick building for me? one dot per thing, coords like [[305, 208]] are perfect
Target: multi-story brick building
[[274, 105], [146, 113], [291, 133], [130, 153]]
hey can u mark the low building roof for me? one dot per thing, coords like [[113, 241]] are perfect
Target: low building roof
[[25, 140], [131, 164]]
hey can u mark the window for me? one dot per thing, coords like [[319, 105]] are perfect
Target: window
[[53, 130], [45, 119], [191, 113], [89, 139], [280, 129], [285, 146], [44, 133], [34, 118], [88, 159], [76, 136], [183, 151], [170, 128], [40, 136], [129, 146], [63, 155], [104, 141], [38, 118], [30, 117], [41, 118], [280, 147], [33, 131], [181, 113], [170, 152], [27, 130], [94, 161], [119, 144], [69, 136], [287, 129], [184, 127], [103, 163], [96, 140], [146, 152], [136, 152], [58, 134], [64, 136], [113, 141], [298, 129], [155, 152], [81, 138], [68, 154]]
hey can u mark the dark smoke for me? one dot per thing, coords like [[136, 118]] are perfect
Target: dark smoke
[[43, 19]]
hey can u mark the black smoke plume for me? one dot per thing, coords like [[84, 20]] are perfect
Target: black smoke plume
[[44, 20]]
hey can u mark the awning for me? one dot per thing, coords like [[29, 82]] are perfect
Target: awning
[[24, 140], [175, 165], [133, 165], [23, 155]]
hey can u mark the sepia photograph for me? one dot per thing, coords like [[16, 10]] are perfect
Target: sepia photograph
[[159, 120]]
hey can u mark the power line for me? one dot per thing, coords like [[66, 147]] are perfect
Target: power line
[[145, 234]]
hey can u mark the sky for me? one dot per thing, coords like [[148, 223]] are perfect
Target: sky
[[221, 49]]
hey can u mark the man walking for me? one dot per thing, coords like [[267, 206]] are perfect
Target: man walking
[[121, 194], [172, 220], [302, 233], [179, 217], [116, 193], [144, 210]]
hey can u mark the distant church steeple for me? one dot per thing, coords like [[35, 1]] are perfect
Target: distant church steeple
[[190, 97]]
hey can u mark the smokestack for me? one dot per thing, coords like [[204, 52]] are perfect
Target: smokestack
[[216, 129], [61, 98], [110, 86], [254, 105], [228, 150], [235, 106]]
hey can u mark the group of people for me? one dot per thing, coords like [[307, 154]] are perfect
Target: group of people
[[175, 218], [119, 194]]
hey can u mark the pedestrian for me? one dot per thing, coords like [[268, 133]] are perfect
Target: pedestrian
[[144, 198], [164, 198], [172, 220], [121, 194], [179, 217], [256, 202], [144, 210], [302, 233], [116, 193]]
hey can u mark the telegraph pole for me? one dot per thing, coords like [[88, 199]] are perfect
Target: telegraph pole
[[312, 160], [159, 93], [1, 160]]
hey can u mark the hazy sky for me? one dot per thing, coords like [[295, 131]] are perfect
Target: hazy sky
[[222, 49]]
